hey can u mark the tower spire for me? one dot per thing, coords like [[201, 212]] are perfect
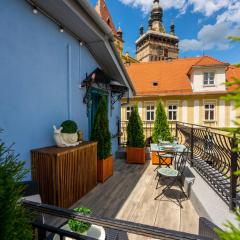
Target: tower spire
[[172, 28], [156, 17]]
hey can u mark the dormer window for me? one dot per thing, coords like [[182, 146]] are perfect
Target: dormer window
[[209, 79]]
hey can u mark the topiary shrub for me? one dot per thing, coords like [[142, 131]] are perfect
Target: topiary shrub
[[69, 126], [161, 128], [100, 131], [79, 226], [14, 220], [135, 136]]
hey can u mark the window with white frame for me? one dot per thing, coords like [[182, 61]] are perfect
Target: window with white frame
[[172, 112], [150, 113], [209, 112], [128, 112], [209, 79]]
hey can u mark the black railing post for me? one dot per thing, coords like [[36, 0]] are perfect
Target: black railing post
[[234, 177], [192, 145]]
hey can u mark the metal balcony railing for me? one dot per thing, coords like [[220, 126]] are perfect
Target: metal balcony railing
[[120, 227], [213, 155]]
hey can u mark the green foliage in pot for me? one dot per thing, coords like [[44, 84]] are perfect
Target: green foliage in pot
[[135, 136], [161, 128], [100, 131], [79, 226], [69, 126], [14, 220]]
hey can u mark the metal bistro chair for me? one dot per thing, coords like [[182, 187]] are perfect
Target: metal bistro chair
[[175, 175], [162, 162]]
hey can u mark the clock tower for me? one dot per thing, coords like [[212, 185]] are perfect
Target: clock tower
[[156, 44]]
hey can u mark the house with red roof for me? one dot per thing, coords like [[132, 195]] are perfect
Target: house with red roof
[[192, 90]]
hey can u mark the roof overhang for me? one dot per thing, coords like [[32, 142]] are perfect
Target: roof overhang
[[80, 19]]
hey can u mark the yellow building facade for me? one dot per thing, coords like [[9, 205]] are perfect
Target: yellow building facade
[[189, 109]]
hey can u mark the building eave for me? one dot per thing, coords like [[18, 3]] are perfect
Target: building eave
[[84, 23]]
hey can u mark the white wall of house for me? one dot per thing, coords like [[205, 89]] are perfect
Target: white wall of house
[[197, 78]]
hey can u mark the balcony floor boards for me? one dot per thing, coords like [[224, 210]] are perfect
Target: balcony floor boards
[[129, 195]]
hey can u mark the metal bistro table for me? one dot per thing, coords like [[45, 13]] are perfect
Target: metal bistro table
[[169, 151]]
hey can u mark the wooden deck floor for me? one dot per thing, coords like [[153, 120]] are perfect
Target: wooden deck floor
[[129, 195]]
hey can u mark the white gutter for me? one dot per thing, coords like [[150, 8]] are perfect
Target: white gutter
[[108, 40]]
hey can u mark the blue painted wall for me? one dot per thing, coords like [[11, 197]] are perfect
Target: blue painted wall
[[40, 73]]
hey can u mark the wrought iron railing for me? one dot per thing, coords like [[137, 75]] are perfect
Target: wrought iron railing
[[118, 226], [147, 130], [213, 156]]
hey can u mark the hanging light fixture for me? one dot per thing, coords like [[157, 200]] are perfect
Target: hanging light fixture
[[61, 29], [35, 11]]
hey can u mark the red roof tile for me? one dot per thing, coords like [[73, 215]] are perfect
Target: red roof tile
[[104, 13]]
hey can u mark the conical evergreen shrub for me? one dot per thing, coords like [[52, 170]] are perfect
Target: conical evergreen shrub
[[161, 128], [100, 131], [135, 136], [14, 220]]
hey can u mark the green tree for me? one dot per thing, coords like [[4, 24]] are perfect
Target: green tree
[[135, 136], [100, 131], [233, 232], [161, 128], [14, 220]]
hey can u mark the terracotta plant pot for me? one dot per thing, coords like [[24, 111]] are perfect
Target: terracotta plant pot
[[104, 169], [155, 159], [136, 155]]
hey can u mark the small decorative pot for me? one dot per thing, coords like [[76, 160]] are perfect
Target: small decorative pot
[[70, 138], [94, 231]]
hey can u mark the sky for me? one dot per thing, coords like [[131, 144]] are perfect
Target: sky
[[203, 26]]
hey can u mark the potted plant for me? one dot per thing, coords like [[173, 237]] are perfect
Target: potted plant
[[135, 139], [14, 220], [84, 228], [161, 130], [101, 134], [69, 131]]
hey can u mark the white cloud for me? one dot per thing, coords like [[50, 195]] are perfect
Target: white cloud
[[232, 14], [145, 5], [208, 7], [211, 36]]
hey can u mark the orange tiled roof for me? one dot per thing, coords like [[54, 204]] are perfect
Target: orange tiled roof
[[232, 72], [104, 13], [172, 77]]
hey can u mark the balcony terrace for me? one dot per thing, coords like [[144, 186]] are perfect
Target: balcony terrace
[[125, 202]]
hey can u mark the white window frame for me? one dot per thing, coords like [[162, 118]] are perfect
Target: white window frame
[[151, 110], [210, 103], [172, 104], [210, 80], [129, 110]]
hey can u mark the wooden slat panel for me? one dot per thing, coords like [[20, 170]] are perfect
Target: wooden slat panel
[[65, 175]]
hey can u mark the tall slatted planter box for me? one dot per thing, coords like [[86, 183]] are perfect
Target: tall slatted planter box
[[64, 175]]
